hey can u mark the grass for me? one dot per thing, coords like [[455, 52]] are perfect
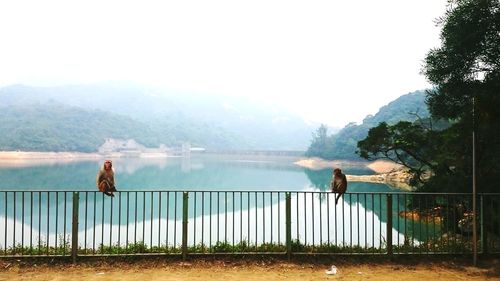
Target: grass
[[438, 245]]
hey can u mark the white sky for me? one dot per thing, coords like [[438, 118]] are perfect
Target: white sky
[[330, 61]]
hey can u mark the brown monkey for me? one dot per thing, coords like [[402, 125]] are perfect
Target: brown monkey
[[106, 179], [338, 184]]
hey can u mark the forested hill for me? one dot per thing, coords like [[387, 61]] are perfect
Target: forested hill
[[81, 117], [405, 108], [61, 128], [343, 144]]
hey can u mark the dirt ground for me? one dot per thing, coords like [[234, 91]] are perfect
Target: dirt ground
[[264, 269]]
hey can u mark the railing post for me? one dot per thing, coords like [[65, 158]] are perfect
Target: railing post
[[288, 214], [484, 236], [184, 224], [389, 224], [74, 232]]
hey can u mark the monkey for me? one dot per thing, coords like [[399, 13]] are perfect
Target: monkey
[[338, 184], [106, 179]]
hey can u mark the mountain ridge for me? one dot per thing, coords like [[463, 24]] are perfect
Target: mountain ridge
[[343, 144], [215, 122]]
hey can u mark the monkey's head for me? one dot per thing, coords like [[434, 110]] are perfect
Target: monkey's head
[[108, 164], [337, 171]]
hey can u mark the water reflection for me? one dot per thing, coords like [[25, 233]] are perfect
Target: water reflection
[[256, 217], [235, 214], [320, 179]]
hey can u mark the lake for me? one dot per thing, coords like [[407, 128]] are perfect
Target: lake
[[199, 172], [223, 201]]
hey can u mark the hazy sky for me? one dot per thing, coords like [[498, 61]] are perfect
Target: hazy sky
[[330, 61]]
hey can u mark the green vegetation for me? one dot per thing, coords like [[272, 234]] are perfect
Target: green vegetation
[[446, 244], [63, 248], [63, 128], [409, 144], [343, 145], [80, 117], [466, 71], [57, 127]]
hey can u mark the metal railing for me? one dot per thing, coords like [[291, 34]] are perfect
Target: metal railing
[[68, 223]]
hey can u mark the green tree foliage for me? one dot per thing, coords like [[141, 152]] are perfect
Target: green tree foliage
[[58, 127], [412, 144], [62, 128], [319, 141], [464, 68]]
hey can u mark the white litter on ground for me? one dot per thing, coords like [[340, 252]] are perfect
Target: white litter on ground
[[332, 270]]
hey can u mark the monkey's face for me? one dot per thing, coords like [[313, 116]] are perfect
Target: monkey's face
[[107, 165]]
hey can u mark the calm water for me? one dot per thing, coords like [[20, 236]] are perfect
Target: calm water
[[236, 214], [195, 173]]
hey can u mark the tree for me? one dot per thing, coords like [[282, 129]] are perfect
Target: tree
[[319, 142], [404, 143], [468, 62], [465, 66]]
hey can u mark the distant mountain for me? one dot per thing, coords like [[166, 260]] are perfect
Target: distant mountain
[[53, 127], [343, 144], [81, 117], [405, 108]]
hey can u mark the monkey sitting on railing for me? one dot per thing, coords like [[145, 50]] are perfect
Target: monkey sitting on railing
[[106, 179], [338, 184]]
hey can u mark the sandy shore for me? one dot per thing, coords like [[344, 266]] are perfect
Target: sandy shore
[[384, 166], [21, 159], [378, 166], [18, 155], [315, 163]]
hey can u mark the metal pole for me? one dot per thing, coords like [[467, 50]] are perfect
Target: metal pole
[[74, 234], [288, 215], [184, 224], [484, 238], [474, 228], [389, 224]]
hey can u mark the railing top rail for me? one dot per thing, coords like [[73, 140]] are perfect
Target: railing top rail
[[246, 191]]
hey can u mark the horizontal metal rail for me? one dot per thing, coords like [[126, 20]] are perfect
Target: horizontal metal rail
[[89, 223]]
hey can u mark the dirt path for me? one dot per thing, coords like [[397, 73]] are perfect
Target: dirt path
[[221, 270]]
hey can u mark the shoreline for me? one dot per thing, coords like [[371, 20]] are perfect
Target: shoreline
[[397, 179], [378, 166], [29, 155], [386, 172], [26, 155], [22, 159]]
